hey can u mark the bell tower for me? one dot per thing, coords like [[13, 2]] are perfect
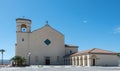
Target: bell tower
[[23, 31], [23, 25]]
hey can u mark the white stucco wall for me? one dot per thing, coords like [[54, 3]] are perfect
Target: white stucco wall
[[40, 49], [119, 61], [106, 60], [22, 46]]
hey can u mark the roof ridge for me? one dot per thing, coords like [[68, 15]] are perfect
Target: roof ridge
[[91, 50], [47, 25], [101, 50]]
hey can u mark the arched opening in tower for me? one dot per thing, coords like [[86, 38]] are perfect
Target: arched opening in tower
[[23, 28]]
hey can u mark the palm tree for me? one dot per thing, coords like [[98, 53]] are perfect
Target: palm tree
[[2, 51], [18, 61]]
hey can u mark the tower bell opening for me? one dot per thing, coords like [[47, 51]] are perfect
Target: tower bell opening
[[23, 28]]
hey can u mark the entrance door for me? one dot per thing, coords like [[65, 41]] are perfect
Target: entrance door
[[47, 61], [93, 62]]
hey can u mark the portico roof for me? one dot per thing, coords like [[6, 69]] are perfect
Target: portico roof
[[95, 51]]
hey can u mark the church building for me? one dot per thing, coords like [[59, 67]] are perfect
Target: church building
[[46, 46]]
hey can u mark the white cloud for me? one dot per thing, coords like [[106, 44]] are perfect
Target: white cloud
[[117, 30], [84, 21]]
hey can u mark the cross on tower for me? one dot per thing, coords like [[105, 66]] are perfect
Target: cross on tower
[[47, 22]]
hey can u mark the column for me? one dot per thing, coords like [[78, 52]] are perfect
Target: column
[[76, 60], [79, 60], [65, 61], [83, 60], [88, 60], [72, 60]]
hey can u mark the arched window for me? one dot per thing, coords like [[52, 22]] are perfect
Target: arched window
[[23, 28]]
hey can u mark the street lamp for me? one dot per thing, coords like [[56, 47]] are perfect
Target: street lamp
[[2, 51], [29, 57]]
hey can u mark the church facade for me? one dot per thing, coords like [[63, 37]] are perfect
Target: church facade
[[46, 46]]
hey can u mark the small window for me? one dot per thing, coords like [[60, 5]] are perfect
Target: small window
[[47, 42], [70, 51], [58, 58], [22, 39], [36, 59]]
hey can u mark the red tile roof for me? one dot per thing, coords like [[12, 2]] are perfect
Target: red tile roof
[[94, 51]]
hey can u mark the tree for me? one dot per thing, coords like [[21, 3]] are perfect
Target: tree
[[18, 61], [2, 51], [118, 54]]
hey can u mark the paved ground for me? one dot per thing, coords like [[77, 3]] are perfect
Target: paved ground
[[59, 68]]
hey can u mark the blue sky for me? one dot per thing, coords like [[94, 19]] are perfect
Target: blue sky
[[85, 23]]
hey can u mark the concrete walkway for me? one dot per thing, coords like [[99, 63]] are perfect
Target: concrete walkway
[[59, 68]]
